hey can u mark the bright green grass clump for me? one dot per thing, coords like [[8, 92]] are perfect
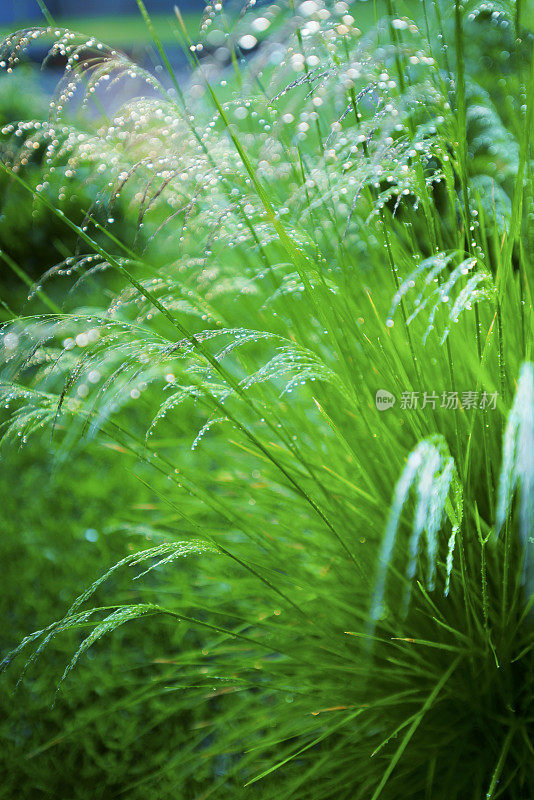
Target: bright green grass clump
[[320, 366]]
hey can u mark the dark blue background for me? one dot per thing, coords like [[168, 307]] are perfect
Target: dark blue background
[[24, 10]]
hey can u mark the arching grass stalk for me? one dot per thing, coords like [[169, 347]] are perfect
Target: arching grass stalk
[[212, 361], [391, 261]]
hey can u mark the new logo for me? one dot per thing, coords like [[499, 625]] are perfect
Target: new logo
[[384, 399]]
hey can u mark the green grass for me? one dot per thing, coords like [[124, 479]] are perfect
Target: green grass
[[346, 591]]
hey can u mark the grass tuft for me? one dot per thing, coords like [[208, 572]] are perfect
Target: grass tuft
[[309, 344]]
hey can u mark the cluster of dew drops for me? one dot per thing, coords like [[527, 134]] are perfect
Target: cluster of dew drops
[[169, 154]]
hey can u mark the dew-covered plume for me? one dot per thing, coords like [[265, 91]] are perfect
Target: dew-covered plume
[[430, 473], [517, 468]]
